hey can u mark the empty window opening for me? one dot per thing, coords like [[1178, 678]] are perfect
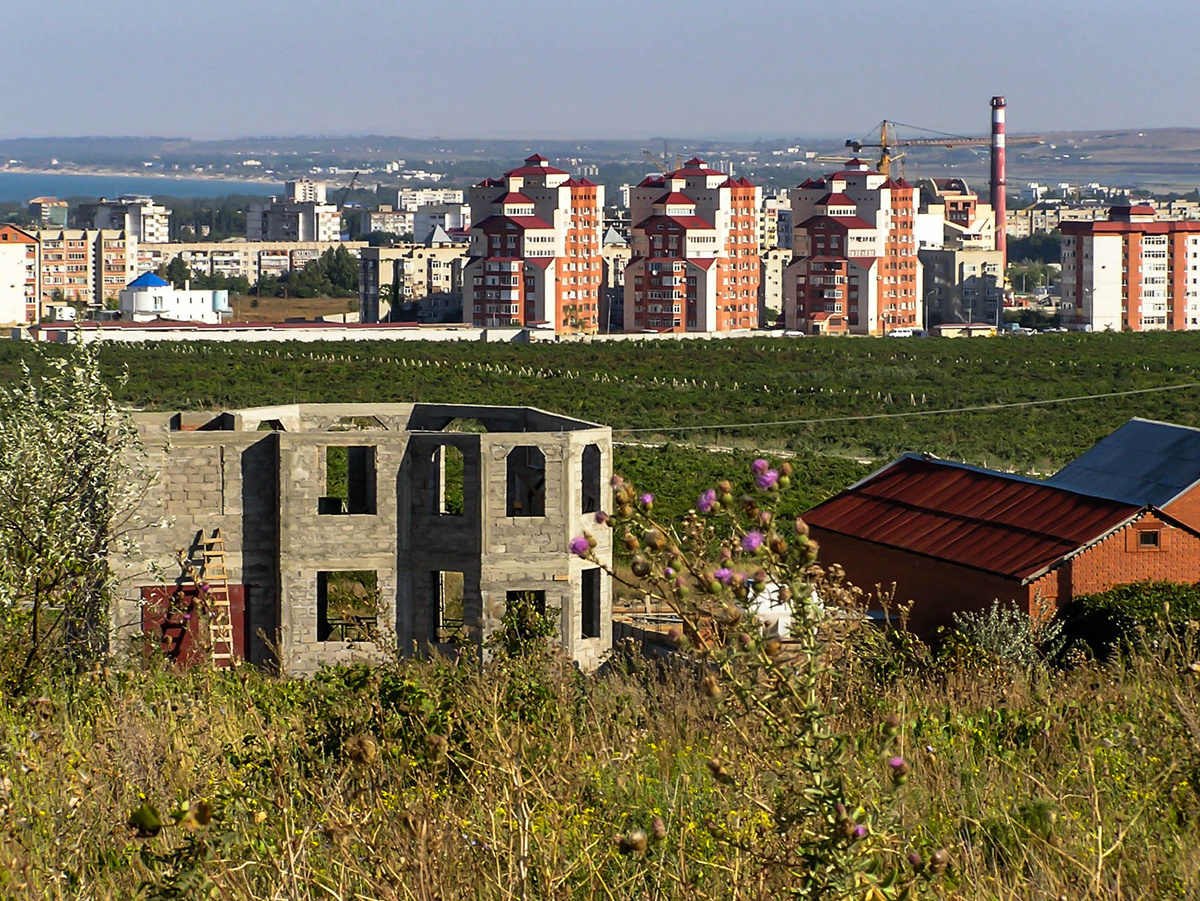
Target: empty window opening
[[449, 462], [1148, 539], [349, 480], [590, 607], [526, 482], [526, 614], [271, 425], [591, 479], [347, 605], [356, 424], [465, 424], [447, 618]]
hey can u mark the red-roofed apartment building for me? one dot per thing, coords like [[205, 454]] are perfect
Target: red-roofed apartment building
[[694, 265], [1131, 271], [534, 257], [854, 265], [953, 538]]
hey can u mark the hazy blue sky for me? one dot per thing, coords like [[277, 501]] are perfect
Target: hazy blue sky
[[605, 68]]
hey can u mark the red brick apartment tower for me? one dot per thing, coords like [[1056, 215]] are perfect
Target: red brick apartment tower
[[1131, 271], [535, 250], [695, 265], [855, 256]]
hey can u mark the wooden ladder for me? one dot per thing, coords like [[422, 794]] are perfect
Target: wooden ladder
[[220, 613]]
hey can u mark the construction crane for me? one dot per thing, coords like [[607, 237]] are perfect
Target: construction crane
[[663, 165], [888, 142], [346, 191]]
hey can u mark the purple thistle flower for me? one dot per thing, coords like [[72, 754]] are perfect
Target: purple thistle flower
[[580, 546], [669, 572], [860, 831], [896, 763], [752, 541], [759, 466], [647, 500], [723, 575], [601, 517], [706, 501], [767, 480]]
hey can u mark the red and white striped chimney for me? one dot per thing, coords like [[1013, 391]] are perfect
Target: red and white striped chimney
[[999, 176]]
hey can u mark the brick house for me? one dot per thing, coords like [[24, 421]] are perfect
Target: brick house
[[953, 538]]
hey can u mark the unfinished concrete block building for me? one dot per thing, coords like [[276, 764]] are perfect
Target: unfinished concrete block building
[[347, 529]]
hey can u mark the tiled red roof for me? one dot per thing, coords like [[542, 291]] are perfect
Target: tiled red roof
[[832, 199], [702, 262], [675, 198], [514, 197], [530, 222], [682, 221], [992, 521], [522, 221], [844, 221], [652, 181]]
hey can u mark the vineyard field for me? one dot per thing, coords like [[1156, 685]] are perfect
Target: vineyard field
[[727, 392]]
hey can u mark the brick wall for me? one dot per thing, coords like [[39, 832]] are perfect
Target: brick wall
[[1119, 560]]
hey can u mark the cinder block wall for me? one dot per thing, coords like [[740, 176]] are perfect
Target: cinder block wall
[[263, 490], [205, 480]]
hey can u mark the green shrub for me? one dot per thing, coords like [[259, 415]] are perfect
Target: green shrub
[[1130, 615]]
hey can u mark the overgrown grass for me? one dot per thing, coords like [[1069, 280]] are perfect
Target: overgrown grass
[[423, 780]]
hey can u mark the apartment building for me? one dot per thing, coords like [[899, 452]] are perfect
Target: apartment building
[[535, 250], [20, 276], [304, 190], [427, 275], [773, 264], [615, 254], [1131, 271], [386, 219], [854, 267], [240, 259], [116, 264], [49, 212], [411, 199], [301, 215], [962, 272], [450, 217], [139, 217], [67, 262], [695, 264]]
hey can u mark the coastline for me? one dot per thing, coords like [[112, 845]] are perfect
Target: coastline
[[108, 172]]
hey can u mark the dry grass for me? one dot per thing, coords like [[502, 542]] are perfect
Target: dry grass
[[278, 309], [428, 781]]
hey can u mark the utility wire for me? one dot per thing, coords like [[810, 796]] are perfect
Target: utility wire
[[910, 413]]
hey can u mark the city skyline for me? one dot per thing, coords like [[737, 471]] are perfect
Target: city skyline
[[544, 69]]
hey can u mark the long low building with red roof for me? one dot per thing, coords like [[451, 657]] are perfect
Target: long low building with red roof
[[953, 538]]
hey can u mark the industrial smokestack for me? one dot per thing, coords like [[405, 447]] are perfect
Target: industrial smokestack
[[999, 177]]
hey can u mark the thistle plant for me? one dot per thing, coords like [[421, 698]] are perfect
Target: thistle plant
[[729, 567]]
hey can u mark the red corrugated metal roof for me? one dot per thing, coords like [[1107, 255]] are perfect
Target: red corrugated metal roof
[[986, 520]]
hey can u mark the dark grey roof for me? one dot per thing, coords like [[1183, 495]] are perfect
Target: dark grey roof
[[1142, 462]]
